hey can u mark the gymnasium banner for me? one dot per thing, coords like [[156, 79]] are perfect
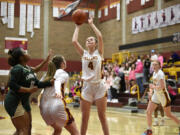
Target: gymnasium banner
[[178, 13], [99, 14], [149, 21], [156, 19], [37, 16], [118, 10], [135, 28], [155, 22], [4, 5], [108, 10], [162, 15], [10, 20], [30, 9], [22, 20], [143, 2], [127, 2], [13, 42]]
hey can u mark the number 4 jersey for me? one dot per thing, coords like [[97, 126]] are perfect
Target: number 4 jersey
[[92, 67]]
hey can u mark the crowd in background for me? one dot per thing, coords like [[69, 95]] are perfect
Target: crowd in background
[[132, 75], [129, 77]]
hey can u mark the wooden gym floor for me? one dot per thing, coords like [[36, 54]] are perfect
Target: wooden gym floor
[[120, 123]]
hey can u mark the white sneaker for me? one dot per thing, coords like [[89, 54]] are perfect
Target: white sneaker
[[127, 91], [108, 100], [114, 100], [161, 123], [156, 123]]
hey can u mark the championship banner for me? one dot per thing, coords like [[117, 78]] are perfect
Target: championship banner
[[178, 13], [157, 19], [114, 3], [135, 28], [141, 23], [149, 21], [12, 42]]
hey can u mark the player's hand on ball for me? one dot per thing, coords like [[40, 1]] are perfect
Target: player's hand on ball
[[90, 20]]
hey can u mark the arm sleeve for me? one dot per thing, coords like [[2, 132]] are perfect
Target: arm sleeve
[[161, 75], [40, 84], [15, 77]]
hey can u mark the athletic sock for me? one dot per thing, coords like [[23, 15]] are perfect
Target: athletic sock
[[162, 118], [155, 119], [149, 128]]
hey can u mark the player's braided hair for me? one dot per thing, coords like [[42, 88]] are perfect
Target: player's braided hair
[[14, 56]]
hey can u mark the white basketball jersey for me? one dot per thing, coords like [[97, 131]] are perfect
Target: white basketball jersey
[[156, 79], [61, 77], [92, 66]]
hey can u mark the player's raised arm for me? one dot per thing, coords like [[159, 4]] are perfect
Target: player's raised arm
[[75, 41], [98, 35]]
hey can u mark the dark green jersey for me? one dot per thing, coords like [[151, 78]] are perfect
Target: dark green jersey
[[21, 76]]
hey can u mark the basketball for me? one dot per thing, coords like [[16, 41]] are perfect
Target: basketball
[[79, 16]]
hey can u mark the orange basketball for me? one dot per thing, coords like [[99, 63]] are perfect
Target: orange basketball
[[79, 16]]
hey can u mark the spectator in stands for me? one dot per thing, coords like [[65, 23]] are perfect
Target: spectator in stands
[[121, 68], [172, 93], [134, 89], [158, 108], [132, 73], [127, 59], [174, 57], [139, 74], [132, 59], [126, 74], [108, 78], [147, 64], [122, 76], [160, 59], [154, 56], [116, 68], [115, 88], [122, 82]]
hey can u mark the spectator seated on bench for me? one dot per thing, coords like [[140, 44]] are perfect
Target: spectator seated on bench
[[134, 89]]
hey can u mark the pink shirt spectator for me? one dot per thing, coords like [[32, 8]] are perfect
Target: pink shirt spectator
[[139, 67], [132, 75], [161, 59], [116, 70], [171, 91]]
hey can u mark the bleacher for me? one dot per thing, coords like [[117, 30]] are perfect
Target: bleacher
[[172, 72]]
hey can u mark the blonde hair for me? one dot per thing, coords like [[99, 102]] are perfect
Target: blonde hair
[[51, 71], [158, 62]]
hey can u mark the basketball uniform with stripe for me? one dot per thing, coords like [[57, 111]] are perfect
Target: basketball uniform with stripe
[[53, 109], [160, 96], [93, 85]]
